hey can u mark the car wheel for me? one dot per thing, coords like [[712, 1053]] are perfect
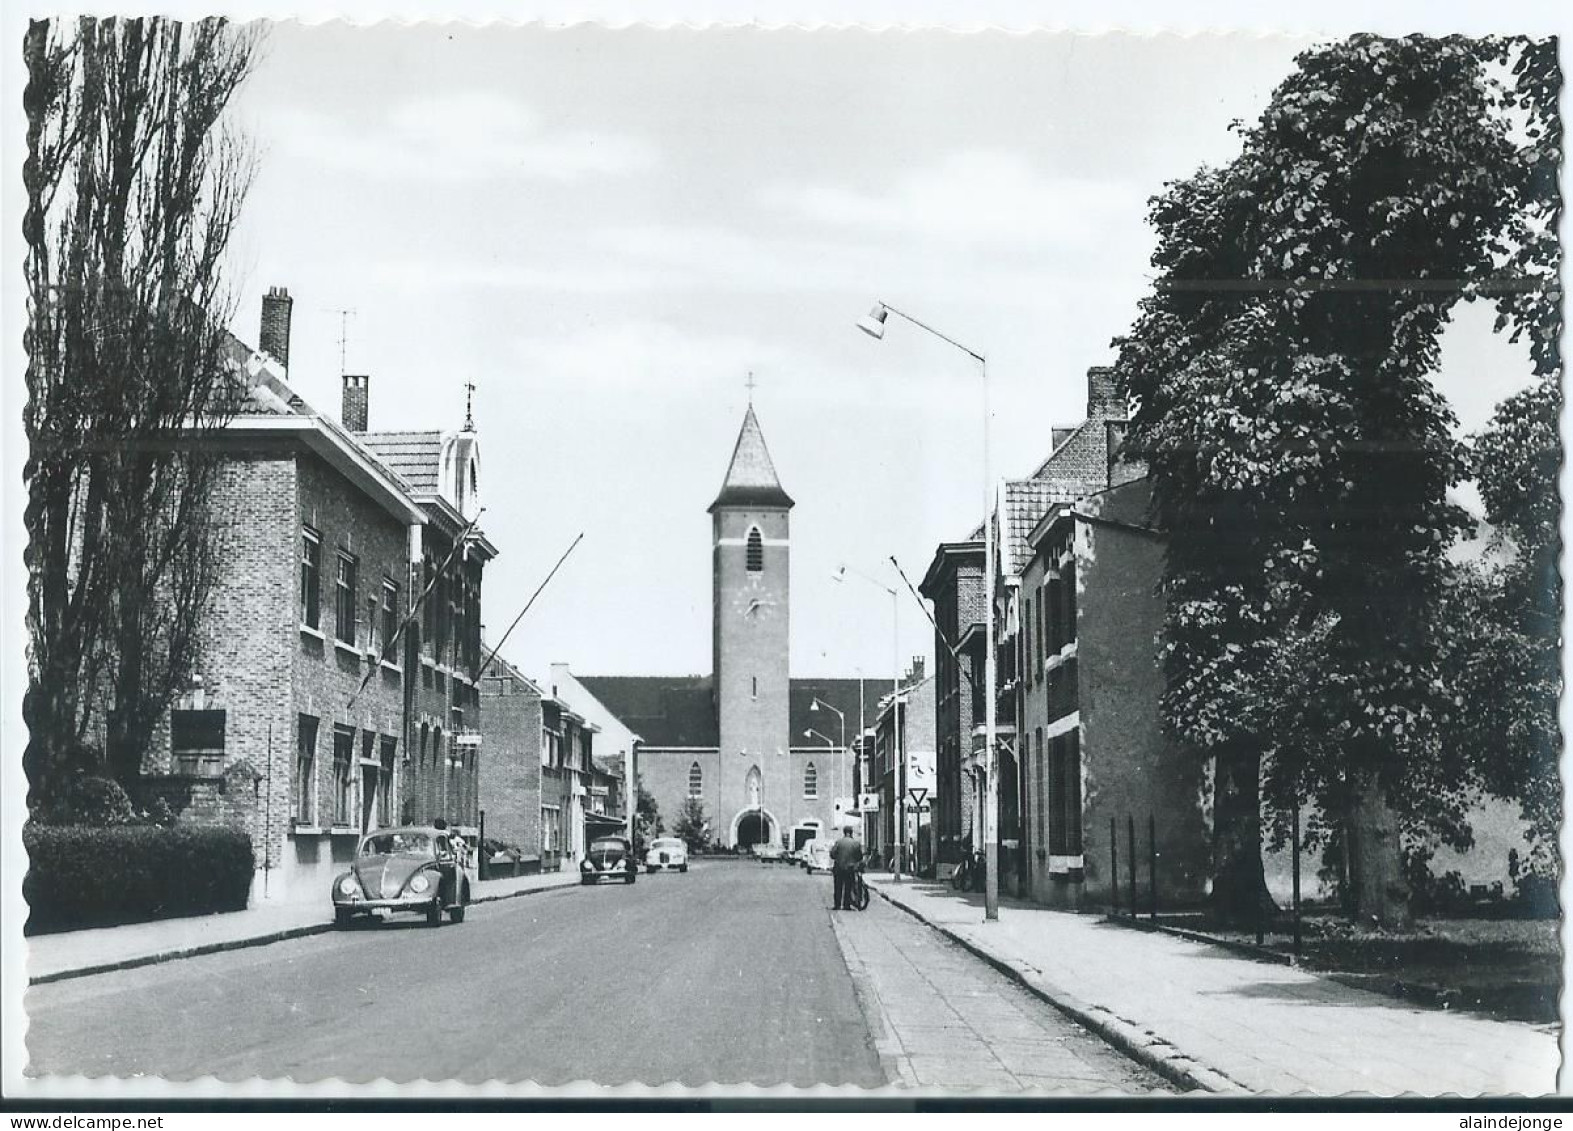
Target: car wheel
[[632, 876], [456, 914], [434, 913], [342, 917], [682, 867]]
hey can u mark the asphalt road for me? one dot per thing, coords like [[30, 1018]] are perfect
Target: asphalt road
[[728, 974]]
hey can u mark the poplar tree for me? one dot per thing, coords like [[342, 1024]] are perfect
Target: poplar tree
[[133, 185]]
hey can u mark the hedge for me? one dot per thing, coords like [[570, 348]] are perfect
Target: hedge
[[83, 876]]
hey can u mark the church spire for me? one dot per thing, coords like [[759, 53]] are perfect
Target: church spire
[[751, 477]]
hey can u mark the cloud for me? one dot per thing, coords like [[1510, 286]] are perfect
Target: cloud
[[461, 136], [982, 196]]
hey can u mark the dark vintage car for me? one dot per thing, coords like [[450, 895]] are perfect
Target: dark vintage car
[[609, 858], [414, 868]]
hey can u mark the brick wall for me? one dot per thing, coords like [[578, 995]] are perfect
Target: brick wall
[[244, 660], [664, 775], [1128, 769], [751, 658], [958, 596], [326, 675], [510, 771], [438, 787]]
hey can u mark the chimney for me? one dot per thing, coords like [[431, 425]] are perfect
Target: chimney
[[1103, 399], [274, 340], [354, 409], [916, 674]]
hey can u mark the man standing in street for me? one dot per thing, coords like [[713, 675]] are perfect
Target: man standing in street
[[845, 856]]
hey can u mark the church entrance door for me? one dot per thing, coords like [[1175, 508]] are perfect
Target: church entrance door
[[753, 826]]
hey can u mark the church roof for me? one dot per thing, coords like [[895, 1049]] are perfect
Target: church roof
[[670, 710], [679, 710], [841, 694], [751, 477]]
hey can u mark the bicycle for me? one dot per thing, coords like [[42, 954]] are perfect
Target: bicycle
[[860, 892], [968, 875]]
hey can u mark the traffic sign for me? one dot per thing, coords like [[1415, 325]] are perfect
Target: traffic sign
[[917, 793]]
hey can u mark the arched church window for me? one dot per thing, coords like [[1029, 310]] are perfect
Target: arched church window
[[696, 781], [756, 551], [811, 781]]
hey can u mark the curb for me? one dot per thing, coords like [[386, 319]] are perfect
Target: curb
[[1146, 1048], [284, 935]]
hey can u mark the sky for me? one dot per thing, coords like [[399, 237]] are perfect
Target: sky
[[607, 230]]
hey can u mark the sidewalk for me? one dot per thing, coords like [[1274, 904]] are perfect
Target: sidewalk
[[74, 954], [1205, 1017]]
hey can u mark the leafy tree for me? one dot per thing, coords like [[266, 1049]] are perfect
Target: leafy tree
[[1299, 453], [1507, 668], [133, 188], [647, 820], [692, 824]]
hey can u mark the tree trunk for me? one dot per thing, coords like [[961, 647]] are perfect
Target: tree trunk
[[1239, 885], [1379, 893]]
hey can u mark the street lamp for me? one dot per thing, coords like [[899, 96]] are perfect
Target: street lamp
[[835, 788], [829, 743], [873, 324], [895, 701]]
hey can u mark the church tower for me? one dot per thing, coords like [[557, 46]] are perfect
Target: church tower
[[751, 553]]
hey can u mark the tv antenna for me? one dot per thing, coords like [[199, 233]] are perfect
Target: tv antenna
[[345, 313]]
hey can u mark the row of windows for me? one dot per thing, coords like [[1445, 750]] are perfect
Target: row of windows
[[450, 617], [376, 775], [1048, 620], [1057, 792], [572, 750], [696, 781], [382, 605]]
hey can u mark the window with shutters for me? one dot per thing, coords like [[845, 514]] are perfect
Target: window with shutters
[[696, 781], [811, 781], [756, 551]]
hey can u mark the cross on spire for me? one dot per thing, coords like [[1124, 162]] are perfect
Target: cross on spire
[[750, 383], [469, 406]]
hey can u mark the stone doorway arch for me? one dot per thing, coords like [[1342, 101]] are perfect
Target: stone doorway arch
[[747, 831]]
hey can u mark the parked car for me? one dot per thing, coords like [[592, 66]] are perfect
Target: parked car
[[609, 858], [666, 853], [768, 853], [414, 868], [816, 856]]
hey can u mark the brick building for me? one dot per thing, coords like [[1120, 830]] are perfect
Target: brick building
[[905, 724], [1093, 744], [297, 723], [540, 783], [442, 470], [955, 584], [736, 740], [1079, 464]]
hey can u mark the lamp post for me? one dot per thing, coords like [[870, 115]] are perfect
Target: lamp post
[[831, 743], [835, 788], [895, 697], [873, 324]]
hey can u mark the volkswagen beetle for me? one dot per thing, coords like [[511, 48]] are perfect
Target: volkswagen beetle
[[609, 858], [413, 868]]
